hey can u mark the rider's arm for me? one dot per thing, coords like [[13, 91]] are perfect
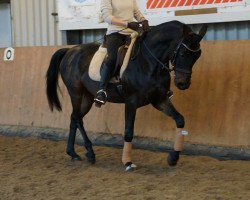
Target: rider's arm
[[137, 13], [118, 22], [106, 10]]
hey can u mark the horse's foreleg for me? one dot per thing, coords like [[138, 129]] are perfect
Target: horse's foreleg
[[168, 108], [130, 112]]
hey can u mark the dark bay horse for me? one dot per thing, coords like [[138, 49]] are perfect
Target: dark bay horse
[[145, 81]]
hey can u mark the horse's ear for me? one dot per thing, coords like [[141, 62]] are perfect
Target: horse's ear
[[202, 31], [187, 30]]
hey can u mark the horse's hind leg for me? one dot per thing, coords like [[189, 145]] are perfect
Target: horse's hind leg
[[81, 106], [168, 108], [71, 139]]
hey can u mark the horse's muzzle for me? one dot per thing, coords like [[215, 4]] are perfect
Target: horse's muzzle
[[182, 84]]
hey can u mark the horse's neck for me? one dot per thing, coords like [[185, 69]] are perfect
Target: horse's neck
[[157, 47], [164, 34], [150, 63], [157, 54], [162, 41]]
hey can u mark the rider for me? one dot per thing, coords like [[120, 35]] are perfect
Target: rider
[[119, 15]]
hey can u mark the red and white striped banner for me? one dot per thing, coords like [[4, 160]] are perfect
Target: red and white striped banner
[[153, 4], [84, 14], [196, 11]]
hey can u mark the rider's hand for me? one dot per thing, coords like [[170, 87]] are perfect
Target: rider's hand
[[145, 25], [133, 25]]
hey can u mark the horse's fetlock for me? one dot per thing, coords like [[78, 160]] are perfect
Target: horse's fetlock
[[88, 147], [70, 151], [173, 157]]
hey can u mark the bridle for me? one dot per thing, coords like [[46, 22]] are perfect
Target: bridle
[[173, 59]]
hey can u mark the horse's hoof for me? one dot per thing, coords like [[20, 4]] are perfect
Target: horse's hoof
[[130, 167], [171, 162], [77, 158], [91, 157], [173, 158]]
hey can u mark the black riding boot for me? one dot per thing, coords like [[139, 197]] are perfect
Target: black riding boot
[[101, 95]]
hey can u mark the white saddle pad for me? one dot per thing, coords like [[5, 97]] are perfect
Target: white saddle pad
[[101, 53]]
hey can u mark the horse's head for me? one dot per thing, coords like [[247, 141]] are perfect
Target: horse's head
[[185, 55]]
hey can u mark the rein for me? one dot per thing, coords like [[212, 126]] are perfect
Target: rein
[[164, 66], [173, 59]]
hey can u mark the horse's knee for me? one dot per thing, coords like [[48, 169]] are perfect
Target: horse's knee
[[180, 121]]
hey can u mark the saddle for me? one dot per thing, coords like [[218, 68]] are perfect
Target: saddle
[[123, 57]]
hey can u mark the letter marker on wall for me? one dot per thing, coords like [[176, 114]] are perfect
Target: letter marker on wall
[[9, 54]]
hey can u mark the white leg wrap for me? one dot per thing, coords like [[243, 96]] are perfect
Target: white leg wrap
[[179, 139], [127, 152]]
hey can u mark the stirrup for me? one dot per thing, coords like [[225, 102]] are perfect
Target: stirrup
[[102, 99]]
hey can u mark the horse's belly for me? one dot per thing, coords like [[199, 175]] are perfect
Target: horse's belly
[[93, 86]]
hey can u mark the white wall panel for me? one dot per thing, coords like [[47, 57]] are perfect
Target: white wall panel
[[5, 25], [228, 31], [33, 24]]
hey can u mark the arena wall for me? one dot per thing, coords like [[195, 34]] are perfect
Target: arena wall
[[216, 107]]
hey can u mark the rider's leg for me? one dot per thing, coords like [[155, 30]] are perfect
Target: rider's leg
[[114, 41], [101, 95]]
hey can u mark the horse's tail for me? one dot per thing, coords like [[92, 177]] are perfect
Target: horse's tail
[[52, 79]]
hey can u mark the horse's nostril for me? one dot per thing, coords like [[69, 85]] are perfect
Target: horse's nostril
[[180, 84]]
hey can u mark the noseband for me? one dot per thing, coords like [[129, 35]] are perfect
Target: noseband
[[173, 59], [176, 51]]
